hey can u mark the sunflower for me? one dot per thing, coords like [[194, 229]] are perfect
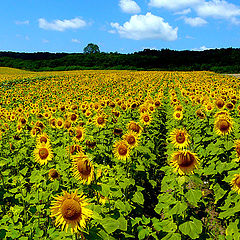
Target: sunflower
[[223, 125], [43, 138], [82, 168], [235, 183], [146, 118], [178, 115], [237, 148], [219, 103], [131, 138], [100, 121], [59, 123], [53, 174], [200, 114], [184, 161], [73, 117], [70, 211], [43, 153], [74, 149], [80, 132], [135, 127], [121, 150], [180, 138]]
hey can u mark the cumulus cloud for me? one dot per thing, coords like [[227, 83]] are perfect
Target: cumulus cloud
[[202, 48], [218, 9], [183, 12], [61, 25], [146, 26], [173, 4], [129, 6], [74, 40], [195, 22], [22, 22]]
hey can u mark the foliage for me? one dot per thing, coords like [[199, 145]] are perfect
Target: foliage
[[140, 196]]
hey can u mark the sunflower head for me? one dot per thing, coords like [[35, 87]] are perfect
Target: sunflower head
[[237, 148], [100, 121], [184, 161], [200, 114], [43, 153], [178, 115], [82, 168], [131, 139], [180, 138], [121, 150], [135, 127], [70, 211], [79, 133], [235, 183], [43, 138], [223, 125], [53, 174], [146, 118], [219, 103]]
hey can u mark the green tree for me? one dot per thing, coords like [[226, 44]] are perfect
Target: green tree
[[91, 48]]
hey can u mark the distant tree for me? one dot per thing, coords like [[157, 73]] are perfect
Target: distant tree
[[91, 48]]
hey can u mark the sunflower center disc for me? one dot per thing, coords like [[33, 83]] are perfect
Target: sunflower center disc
[[43, 139], [131, 140], [178, 115], [73, 117], [84, 168], [224, 125], [43, 153], [185, 161], [71, 209], [53, 173], [79, 134], [100, 120], [122, 150], [146, 119], [180, 138]]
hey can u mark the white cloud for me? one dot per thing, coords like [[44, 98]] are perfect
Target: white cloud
[[61, 25], [173, 4], [74, 40], [22, 22], [146, 26], [202, 48], [45, 41], [195, 22], [129, 6], [218, 9], [183, 12]]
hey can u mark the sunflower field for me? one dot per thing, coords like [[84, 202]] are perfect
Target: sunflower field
[[119, 155]]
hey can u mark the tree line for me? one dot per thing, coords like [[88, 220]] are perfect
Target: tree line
[[225, 60]]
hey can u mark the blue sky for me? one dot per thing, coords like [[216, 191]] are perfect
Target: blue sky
[[124, 26]]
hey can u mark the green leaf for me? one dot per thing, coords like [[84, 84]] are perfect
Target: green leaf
[[193, 196], [172, 236], [179, 208], [143, 233], [110, 224], [120, 205], [191, 228], [218, 192], [122, 223], [168, 226], [138, 198], [233, 230]]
